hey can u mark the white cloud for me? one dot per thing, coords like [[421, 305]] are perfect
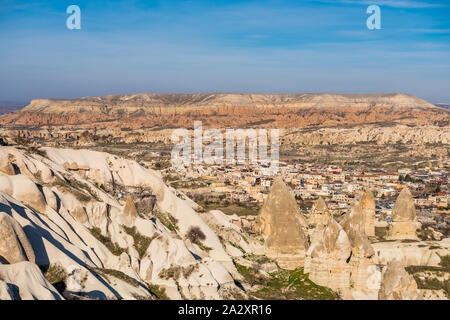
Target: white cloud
[[411, 4], [428, 30]]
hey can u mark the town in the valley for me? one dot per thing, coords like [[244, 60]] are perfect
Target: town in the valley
[[242, 189]]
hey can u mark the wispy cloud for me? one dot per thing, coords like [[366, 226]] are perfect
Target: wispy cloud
[[409, 4], [428, 30]]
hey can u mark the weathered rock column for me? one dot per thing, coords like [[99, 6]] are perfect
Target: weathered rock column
[[327, 259], [14, 244], [365, 275], [280, 219], [397, 284], [368, 211], [404, 221], [318, 220]]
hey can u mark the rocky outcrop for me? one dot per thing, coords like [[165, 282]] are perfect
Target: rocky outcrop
[[284, 226], [129, 211], [318, 220], [102, 234], [396, 134], [404, 209], [28, 281], [415, 253], [5, 164], [319, 206], [230, 229], [23, 189], [365, 275], [404, 221], [353, 224], [129, 174], [14, 244], [368, 210], [79, 213], [397, 284], [318, 209], [342, 258], [241, 110], [169, 263], [327, 258], [150, 101], [6, 292]]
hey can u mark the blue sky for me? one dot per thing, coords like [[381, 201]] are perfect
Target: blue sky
[[224, 46]]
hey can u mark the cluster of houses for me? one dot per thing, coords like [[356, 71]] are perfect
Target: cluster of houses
[[309, 181]]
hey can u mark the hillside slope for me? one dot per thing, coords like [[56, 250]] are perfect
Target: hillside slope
[[73, 213], [152, 102], [228, 110]]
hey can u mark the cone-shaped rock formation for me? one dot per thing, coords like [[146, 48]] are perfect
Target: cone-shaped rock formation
[[281, 220]]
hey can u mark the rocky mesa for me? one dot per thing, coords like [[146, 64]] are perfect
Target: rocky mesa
[[228, 110]]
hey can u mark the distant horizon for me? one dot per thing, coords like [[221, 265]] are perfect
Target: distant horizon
[[10, 103], [6, 103]]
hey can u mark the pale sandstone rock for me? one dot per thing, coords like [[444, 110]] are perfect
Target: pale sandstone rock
[[24, 166], [5, 164], [353, 224], [318, 209], [318, 220], [319, 206], [59, 239], [98, 213], [404, 208], [23, 189], [281, 220], [47, 175], [129, 173], [194, 278], [30, 281], [73, 166], [368, 211], [231, 234], [14, 244], [129, 211], [279, 199], [381, 136], [404, 221], [397, 284], [6, 293], [327, 259], [420, 253], [79, 213], [51, 198], [365, 275]]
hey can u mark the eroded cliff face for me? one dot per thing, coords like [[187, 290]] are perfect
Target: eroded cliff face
[[228, 110], [53, 214], [153, 101], [305, 120], [369, 134]]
